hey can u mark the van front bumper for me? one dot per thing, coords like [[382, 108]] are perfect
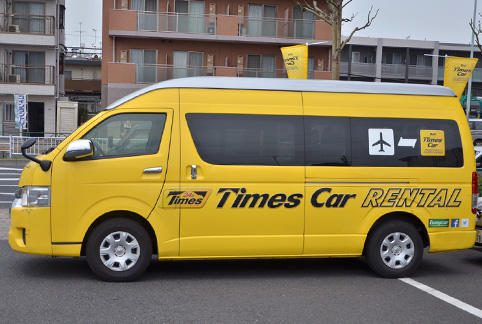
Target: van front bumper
[[30, 230], [453, 240]]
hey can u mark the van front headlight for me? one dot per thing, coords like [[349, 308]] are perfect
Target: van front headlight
[[35, 196]]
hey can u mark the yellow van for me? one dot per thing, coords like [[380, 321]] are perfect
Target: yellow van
[[223, 168]]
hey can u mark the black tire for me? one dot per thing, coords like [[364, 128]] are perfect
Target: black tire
[[127, 258], [478, 142], [394, 249]]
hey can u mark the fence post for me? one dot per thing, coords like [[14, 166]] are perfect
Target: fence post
[[10, 141]]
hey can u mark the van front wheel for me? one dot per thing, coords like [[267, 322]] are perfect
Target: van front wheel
[[394, 249], [119, 250]]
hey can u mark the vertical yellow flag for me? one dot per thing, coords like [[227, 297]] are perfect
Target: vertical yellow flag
[[457, 73], [296, 61]]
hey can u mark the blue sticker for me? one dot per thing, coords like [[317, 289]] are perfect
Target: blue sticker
[[455, 222]]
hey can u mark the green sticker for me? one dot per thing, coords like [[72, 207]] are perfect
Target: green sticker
[[438, 223]]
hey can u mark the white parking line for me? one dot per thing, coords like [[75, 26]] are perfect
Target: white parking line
[[446, 298]]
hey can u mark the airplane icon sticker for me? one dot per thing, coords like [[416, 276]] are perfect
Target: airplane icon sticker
[[381, 141]]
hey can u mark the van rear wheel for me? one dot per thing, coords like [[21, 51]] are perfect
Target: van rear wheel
[[394, 249], [119, 250], [478, 142]]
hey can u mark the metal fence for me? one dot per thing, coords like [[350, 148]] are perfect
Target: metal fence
[[10, 145]]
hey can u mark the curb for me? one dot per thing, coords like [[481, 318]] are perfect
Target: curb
[[13, 163]]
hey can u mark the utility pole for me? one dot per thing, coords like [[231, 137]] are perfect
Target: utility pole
[[469, 88]]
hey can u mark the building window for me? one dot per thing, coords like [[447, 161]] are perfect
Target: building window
[[147, 16], [144, 5], [30, 66], [261, 66], [191, 18], [68, 75], [61, 17], [262, 20], [9, 112], [30, 16], [188, 64], [146, 65], [311, 67], [304, 24], [355, 57]]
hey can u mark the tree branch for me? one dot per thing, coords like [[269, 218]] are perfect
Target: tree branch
[[369, 22], [476, 32]]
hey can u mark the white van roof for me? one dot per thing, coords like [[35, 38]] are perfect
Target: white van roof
[[293, 85]]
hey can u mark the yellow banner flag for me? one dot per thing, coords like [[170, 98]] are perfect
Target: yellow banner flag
[[296, 61], [457, 73]]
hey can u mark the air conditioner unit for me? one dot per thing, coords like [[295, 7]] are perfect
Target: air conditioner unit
[[14, 78], [210, 30], [13, 28]]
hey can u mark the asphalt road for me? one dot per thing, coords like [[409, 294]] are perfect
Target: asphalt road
[[37, 289]]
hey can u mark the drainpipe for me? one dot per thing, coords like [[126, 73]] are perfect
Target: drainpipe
[[113, 50]]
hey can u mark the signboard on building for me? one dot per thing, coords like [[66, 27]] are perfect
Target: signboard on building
[[20, 111]]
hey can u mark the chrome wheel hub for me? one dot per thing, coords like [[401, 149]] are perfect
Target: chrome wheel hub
[[119, 251], [397, 250]]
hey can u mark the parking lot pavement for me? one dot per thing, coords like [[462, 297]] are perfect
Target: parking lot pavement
[[4, 224]]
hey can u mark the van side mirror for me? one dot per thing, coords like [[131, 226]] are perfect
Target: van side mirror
[[44, 164], [79, 149]]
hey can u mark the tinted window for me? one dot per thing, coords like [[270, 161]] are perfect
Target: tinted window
[[127, 134], [231, 139], [327, 141], [382, 142], [392, 142]]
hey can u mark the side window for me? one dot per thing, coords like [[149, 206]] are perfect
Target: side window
[[231, 139], [397, 142], [327, 141], [127, 135]]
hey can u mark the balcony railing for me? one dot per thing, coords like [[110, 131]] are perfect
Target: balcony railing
[[207, 24], [277, 28], [476, 75], [36, 74], [359, 69], [28, 24], [414, 71], [176, 23], [153, 73]]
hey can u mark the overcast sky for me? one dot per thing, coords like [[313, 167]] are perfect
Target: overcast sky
[[89, 13], [437, 20]]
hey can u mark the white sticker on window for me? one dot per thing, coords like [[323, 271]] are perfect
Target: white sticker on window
[[381, 141]]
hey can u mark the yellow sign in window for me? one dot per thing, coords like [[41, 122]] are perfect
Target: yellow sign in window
[[432, 142]]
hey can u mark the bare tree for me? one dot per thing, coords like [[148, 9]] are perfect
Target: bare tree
[[477, 30], [332, 15]]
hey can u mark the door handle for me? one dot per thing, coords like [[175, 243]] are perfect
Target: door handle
[[194, 172], [153, 170]]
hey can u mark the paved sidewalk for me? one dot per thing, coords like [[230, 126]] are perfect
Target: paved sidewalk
[[4, 224]]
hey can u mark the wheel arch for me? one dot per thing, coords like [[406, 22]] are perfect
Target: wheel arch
[[124, 214], [403, 216]]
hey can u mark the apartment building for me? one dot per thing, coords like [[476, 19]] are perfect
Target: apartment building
[[82, 84], [31, 46], [403, 60], [147, 41]]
